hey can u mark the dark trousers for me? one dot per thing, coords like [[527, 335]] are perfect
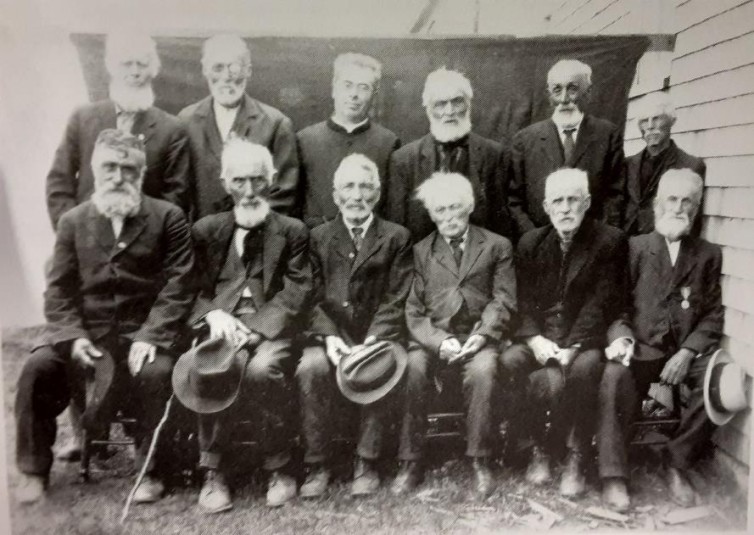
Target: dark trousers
[[621, 393], [265, 395], [318, 396], [569, 396], [48, 381], [480, 379]]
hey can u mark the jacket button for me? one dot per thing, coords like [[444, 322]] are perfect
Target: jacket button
[[345, 304], [121, 245]]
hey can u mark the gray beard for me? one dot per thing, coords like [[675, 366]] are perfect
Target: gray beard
[[249, 217], [450, 132], [116, 203], [672, 228], [131, 99]]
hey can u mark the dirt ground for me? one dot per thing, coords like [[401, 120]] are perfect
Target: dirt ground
[[442, 504]]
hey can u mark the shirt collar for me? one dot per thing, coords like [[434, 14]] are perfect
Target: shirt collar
[[221, 110], [336, 125], [365, 225], [464, 238]]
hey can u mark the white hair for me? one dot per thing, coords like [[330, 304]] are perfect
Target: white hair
[[442, 186], [567, 177], [655, 104], [124, 45], [443, 77], [571, 66], [224, 43], [357, 60], [240, 152], [358, 162], [682, 175]]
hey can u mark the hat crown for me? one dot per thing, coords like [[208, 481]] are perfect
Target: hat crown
[[368, 368], [728, 387]]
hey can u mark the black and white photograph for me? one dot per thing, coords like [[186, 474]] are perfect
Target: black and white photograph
[[376, 267]]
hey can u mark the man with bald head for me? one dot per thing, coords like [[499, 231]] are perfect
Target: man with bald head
[[226, 65], [570, 289], [672, 325], [132, 64], [655, 118], [570, 138], [449, 147]]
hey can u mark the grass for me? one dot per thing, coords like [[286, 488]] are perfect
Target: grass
[[442, 504]]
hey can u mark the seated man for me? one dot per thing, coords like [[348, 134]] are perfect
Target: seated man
[[458, 313], [255, 280], [569, 292], [119, 283], [362, 266], [675, 320]]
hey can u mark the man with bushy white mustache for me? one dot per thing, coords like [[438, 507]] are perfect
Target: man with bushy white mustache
[[450, 147], [673, 324], [255, 280], [132, 64], [226, 65], [119, 282], [570, 290], [569, 138]]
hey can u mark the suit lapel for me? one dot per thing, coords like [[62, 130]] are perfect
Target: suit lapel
[[101, 229], [342, 242], [144, 124], [442, 253], [474, 247], [475, 159], [132, 227], [549, 144], [371, 244], [246, 117], [660, 260], [427, 159], [580, 252], [209, 125], [274, 243], [583, 140], [685, 262], [633, 169], [219, 244]]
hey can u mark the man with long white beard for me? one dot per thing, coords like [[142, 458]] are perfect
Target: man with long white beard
[[119, 284], [255, 280], [449, 147], [226, 65], [132, 64], [571, 137], [672, 326]]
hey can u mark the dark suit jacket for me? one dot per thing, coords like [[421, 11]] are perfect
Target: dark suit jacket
[[70, 181], [361, 294], [138, 285], [537, 151], [414, 163], [593, 293], [639, 216], [256, 121], [660, 324], [286, 273], [485, 281]]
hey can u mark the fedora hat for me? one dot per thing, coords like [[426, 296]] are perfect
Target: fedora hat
[[98, 383], [725, 390], [207, 377], [369, 372]]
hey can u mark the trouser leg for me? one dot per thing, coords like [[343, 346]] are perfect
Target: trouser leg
[[415, 396], [618, 398], [578, 410], [480, 376], [316, 390]]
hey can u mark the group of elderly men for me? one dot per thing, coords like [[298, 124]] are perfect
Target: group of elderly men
[[562, 337]]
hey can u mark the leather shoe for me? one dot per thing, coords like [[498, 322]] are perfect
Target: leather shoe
[[149, 490], [538, 472], [572, 481], [215, 495], [366, 480], [30, 489], [408, 478], [315, 484], [282, 489], [615, 494], [484, 483], [681, 491]]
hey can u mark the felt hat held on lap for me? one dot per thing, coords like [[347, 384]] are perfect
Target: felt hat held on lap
[[368, 373]]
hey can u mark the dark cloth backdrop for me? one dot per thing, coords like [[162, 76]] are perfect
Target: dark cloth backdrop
[[294, 74]]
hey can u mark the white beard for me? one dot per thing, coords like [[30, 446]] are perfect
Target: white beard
[[117, 203], [567, 118], [671, 227], [445, 132], [252, 216], [132, 99]]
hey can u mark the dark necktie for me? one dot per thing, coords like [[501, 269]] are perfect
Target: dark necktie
[[357, 237], [455, 245], [252, 246], [568, 144]]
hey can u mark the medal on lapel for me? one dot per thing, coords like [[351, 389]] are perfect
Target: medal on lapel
[[685, 293]]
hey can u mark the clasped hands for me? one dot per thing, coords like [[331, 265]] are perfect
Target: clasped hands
[[336, 348], [545, 349], [85, 353], [453, 352], [620, 350]]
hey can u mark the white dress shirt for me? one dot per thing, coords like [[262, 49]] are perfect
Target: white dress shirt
[[364, 226], [673, 248], [570, 126], [238, 237], [224, 117]]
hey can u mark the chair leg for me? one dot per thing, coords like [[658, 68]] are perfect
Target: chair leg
[[85, 452]]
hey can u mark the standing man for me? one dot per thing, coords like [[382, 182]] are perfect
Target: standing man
[[355, 83], [450, 147], [655, 118], [570, 138], [119, 284], [362, 267], [674, 324], [570, 290], [255, 281], [226, 65], [132, 64], [459, 312]]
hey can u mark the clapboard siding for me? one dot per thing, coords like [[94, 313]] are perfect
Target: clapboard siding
[[719, 58], [726, 141], [731, 171], [732, 232], [738, 294], [738, 263], [728, 112], [717, 29], [729, 202], [718, 86], [696, 12]]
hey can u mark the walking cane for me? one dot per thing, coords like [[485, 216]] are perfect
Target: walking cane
[[148, 458]]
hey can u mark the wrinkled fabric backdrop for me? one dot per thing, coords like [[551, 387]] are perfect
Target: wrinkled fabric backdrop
[[293, 74]]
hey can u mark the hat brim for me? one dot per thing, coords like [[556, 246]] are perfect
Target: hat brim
[[188, 397], [717, 417], [97, 387], [371, 396]]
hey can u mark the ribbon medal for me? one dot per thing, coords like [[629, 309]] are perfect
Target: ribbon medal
[[685, 293]]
